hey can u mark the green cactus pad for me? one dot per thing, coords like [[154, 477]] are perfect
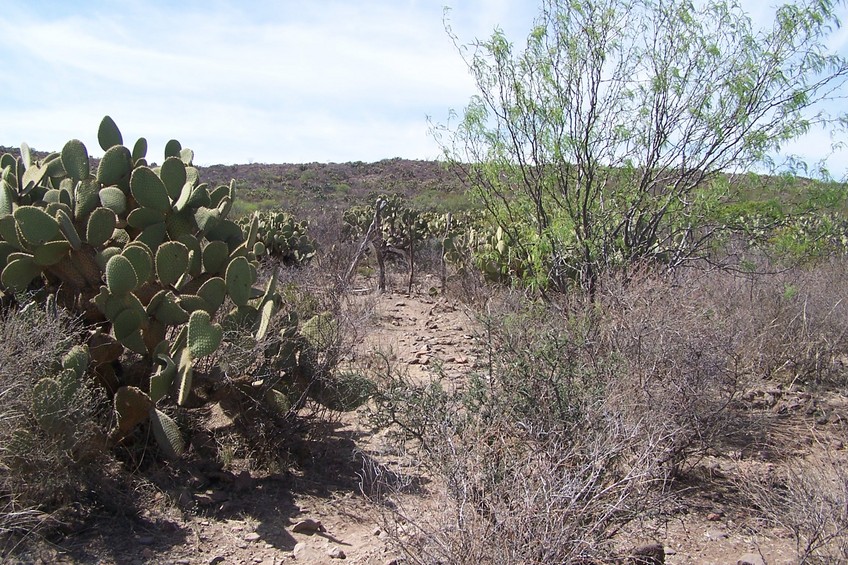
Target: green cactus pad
[[7, 198], [173, 174], [100, 226], [213, 291], [171, 262], [167, 434], [216, 257], [149, 190], [75, 160], [35, 225], [199, 197], [204, 336], [239, 280], [139, 151], [140, 218], [259, 249], [86, 197], [179, 225], [185, 375], [163, 378], [108, 134], [128, 322], [173, 148], [266, 313], [195, 265], [193, 302], [218, 194], [53, 207], [132, 407], [153, 235], [121, 278], [51, 253], [9, 232], [77, 359], [141, 259], [120, 237], [168, 310], [228, 232], [114, 199], [102, 257], [115, 166], [19, 272], [66, 225], [206, 218]]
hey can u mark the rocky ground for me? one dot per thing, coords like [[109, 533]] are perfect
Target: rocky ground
[[320, 515]]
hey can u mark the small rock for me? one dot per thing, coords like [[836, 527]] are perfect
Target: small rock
[[715, 535], [653, 554], [714, 516], [837, 445], [252, 536], [336, 553], [299, 548], [217, 559], [308, 526], [751, 559]]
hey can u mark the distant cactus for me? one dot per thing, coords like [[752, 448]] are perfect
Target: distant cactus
[[281, 237]]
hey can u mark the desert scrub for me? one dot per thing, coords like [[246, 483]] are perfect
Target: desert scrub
[[44, 463]]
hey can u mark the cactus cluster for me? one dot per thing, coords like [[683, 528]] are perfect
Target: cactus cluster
[[145, 253], [283, 238]]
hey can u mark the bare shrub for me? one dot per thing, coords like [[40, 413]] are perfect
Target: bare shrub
[[800, 319], [810, 500]]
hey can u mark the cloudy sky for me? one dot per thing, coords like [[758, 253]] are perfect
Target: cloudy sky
[[248, 81]]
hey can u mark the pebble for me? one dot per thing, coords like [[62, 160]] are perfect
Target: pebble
[[715, 534], [336, 553], [714, 516], [252, 536]]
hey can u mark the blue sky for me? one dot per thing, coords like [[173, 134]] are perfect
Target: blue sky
[[251, 81]]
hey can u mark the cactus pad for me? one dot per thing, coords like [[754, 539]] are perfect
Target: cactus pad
[[204, 336], [149, 190], [75, 160], [121, 277], [167, 434], [239, 279], [114, 199], [171, 262], [115, 166], [35, 225], [108, 134], [101, 224]]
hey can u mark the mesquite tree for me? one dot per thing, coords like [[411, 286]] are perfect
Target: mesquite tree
[[607, 138]]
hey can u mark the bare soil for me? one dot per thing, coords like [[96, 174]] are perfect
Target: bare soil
[[226, 515]]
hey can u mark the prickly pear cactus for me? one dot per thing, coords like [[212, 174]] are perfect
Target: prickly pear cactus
[[280, 236], [146, 254]]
